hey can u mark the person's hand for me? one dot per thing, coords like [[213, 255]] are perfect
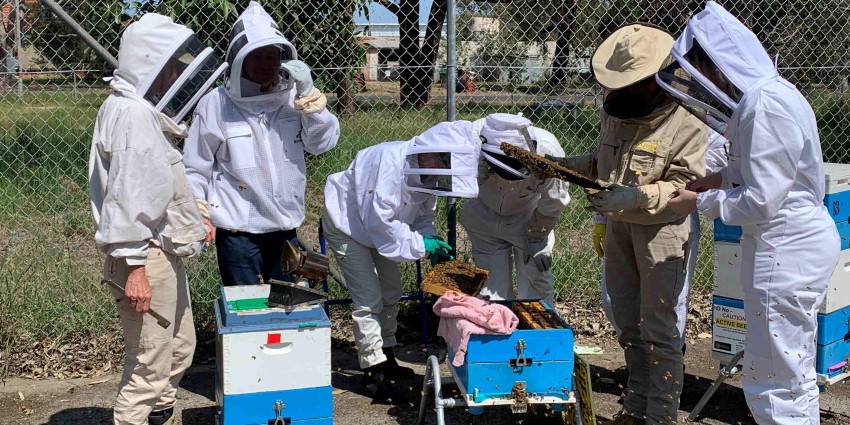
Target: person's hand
[[705, 183], [618, 198], [437, 249], [538, 249], [599, 238], [138, 289], [683, 202], [300, 73], [210, 231]]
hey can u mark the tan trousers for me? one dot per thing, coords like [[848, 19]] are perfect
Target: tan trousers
[[155, 358], [645, 276]]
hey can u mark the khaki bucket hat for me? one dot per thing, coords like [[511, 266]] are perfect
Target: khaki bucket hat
[[631, 54]]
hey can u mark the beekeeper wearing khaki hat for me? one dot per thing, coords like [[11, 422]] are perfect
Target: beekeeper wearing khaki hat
[[648, 148]]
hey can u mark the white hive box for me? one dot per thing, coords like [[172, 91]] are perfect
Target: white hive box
[[266, 355]]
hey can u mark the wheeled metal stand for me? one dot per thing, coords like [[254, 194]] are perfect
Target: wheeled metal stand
[[433, 380], [730, 369]]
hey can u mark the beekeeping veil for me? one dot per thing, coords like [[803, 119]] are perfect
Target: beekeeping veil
[[166, 64], [254, 29], [505, 128], [443, 161], [716, 60]]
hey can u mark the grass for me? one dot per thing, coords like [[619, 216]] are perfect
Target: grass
[[50, 269]]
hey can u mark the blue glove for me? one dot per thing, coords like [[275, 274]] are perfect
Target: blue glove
[[437, 249]]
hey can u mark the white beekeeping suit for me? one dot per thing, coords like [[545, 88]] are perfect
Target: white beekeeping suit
[[515, 212], [245, 150], [144, 211], [379, 212], [773, 188]]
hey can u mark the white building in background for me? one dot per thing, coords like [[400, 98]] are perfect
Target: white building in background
[[379, 34]]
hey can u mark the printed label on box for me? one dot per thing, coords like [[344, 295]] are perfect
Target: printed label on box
[[729, 329]]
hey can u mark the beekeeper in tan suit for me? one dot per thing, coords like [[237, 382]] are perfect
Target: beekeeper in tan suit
[[144, 211], [648, 148]]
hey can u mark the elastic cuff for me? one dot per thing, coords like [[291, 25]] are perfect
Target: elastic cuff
[[312, 103], [136, 261], [372, 358], [204, 208]]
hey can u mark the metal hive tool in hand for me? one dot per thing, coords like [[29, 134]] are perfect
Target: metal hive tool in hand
[[548, 168]]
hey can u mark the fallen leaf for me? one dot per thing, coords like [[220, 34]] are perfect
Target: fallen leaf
[[704, 335], [99, 381], [21, 395], [338, 391], [26, 410]]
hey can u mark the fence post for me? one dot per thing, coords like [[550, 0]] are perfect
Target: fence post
[[451, 110], [18, 48], [74, 73]]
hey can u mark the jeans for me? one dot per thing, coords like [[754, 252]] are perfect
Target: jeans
[[243, 258]]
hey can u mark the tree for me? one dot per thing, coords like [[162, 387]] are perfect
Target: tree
[[417, 61]]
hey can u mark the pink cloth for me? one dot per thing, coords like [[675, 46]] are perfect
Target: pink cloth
[[462, 316]]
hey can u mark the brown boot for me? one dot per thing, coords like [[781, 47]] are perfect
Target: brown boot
[[624, 419]]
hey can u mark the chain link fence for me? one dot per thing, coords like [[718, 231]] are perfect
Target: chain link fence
[[383, 65]]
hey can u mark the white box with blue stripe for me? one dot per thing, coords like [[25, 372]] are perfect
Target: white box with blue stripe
[[272, 363], [729, 329], [541, 359]]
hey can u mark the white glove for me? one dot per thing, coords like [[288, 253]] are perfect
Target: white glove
[[538, 249], [300, 73], [618, 198]]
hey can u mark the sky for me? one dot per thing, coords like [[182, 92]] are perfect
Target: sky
[[380, 15]]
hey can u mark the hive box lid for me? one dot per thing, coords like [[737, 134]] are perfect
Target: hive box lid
[[837, 177], [231, 319]]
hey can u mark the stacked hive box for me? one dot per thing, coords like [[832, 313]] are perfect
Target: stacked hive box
[[274, 364], [833, 337]]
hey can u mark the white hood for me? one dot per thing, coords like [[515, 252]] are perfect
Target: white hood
[[155, 45], [505, 128], [255, 28], [456, 172], [733, 49], [730, 44]]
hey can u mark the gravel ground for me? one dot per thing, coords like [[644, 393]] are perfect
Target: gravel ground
[[88, 401]]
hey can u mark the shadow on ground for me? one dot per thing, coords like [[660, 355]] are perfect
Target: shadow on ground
[[81, 415]]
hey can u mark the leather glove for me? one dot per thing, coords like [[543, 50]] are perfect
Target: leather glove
[[300, 73], [537, 248], [437, 249], [599, 239], [618, 198]]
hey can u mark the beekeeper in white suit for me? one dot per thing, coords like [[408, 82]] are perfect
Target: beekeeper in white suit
[[380, 212], [245, 151], [773, 188], [144, 212], [515, 212]]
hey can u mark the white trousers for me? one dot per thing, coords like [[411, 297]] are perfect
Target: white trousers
[[784, 272], [682, 302], [495, 240], [374, 284]]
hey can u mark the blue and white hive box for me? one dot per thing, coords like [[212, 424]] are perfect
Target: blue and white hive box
[[271, 362], [542, 359], [833, 337]]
